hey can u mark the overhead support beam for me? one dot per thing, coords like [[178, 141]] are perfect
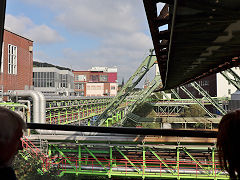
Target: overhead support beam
[[192, 56], [164, 35], [165, 1], [161, 22]]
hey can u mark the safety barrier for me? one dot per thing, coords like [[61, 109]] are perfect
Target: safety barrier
[[36, 153]]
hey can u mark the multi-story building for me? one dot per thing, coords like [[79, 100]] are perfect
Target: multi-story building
[[16, 62], [53, 81], [98, 81], [216, 85]]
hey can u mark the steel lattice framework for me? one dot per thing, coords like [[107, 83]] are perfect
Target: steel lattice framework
[[176, 158]]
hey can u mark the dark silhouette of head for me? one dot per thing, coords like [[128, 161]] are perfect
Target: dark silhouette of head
[[11, 131], [228, 143]]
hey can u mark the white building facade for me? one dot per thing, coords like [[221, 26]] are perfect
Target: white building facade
[[52, 81], [224, 87]]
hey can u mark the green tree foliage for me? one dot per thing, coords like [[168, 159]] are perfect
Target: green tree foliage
[[151, 125], [144, 110], [26, 168], [194, 110]]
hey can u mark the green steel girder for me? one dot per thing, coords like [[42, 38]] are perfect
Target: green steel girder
[[165, 95], [155, 83], [69, 115], [196, 86], [168, 169], [51, 104], [200, 104], [130, 162], [197, 162], [128, 88], [111, 161], [95, 157], [64, 156], [234, 80], [175, 93], [155, 154]]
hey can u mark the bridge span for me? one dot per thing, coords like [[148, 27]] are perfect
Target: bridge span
[[129, 155]]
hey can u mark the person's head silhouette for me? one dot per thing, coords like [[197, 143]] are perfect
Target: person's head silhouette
[[11, 130], [228, 143]]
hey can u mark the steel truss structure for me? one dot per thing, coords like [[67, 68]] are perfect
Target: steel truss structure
[[75, 111], [145, 157], [155, 83], [208, 97], [232, 77], [128, 90], [199, 103]]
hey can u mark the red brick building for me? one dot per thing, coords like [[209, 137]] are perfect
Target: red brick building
[[16, 63], [98, 81]]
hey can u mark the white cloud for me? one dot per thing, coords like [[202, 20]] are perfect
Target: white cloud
[[119, 25], [97, 17], [22, 25]]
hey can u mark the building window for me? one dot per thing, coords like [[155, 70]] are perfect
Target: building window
[[64, 80], [112, 87], [206, 83], [12, 59], [229, 91], [103, 78], [80, 77], [94, 78], [79, 86], [43, 79]]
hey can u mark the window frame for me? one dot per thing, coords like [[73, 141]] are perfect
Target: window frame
[[12, 59]]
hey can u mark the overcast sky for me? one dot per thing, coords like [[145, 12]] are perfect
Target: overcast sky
[[79, 34]]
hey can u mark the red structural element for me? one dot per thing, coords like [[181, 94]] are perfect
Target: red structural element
[[156, 166], [35, 153]]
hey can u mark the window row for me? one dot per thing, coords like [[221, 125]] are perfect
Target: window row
[[44, 75], [80, 78], [43, 83], [98, 78]]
